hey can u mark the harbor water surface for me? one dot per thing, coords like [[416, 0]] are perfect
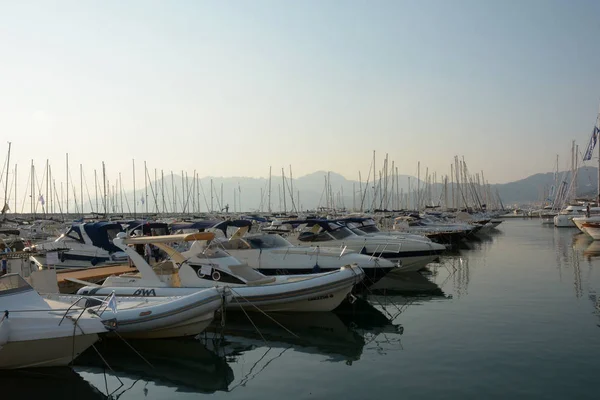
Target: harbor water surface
[[513, 315]]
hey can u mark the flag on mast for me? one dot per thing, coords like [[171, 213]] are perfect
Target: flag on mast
[[592, 144]]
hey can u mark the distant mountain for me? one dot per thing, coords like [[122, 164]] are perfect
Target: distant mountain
[[252, 194], [536, 187], [176, 194]]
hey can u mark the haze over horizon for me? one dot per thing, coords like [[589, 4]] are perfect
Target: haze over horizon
[[228, 89]]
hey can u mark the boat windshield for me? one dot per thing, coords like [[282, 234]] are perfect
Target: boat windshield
[[113, 232], [13, 283], [73, 234], [268, 242], [341, 233], [213, 253], [370, 229]]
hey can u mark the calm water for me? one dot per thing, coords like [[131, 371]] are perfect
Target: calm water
[[514, 316]]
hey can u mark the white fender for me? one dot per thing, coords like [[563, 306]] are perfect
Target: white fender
[[4, 331]]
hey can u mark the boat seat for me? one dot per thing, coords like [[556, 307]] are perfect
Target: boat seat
[[265, 281], [252, 277], [169, 271]]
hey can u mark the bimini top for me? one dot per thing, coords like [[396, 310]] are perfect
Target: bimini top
[[256, 218], [202, 225], [147, 227], [322, 230], [326, 224], [101, 234], [184, 237]]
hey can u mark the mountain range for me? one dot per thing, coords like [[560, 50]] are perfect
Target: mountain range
[[251, 194]]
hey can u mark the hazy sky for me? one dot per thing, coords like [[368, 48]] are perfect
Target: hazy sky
[[231, 87]]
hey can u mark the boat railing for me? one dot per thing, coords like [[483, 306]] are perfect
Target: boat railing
[[66, 314], [343, 251]]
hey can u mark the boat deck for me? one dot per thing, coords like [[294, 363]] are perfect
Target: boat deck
[[92, 275]]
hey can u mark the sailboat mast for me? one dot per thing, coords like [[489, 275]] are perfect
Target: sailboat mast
[[597, 138], [104, 188], [121, 191], [46, 204], [134, 193], [32, 189], [269, 208], [146, 189], [6, 181], [294, 208], [283, 184], [81, 187], [374, 184], [96, 188], [67, 208], [162, 188]]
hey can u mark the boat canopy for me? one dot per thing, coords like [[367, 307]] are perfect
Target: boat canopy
[[200, 225], [184, 237], [256, 218], [147, 227], [240, 223], [101, 234], [220, 225]]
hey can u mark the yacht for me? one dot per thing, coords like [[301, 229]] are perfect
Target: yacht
[[413, 255], [85, 245], [565, 218], [187, 273], [272, 254], [35, 332]]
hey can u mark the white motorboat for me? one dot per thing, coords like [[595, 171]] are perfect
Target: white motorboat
[[39, 333], [580, 221], [363, 226], [413, 255], [153, 318], [565, 219], [85, 245], [251, 290], [272, 254], [441, 232], [592, 229]]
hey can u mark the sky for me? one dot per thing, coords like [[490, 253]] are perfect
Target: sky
[[229, 88]]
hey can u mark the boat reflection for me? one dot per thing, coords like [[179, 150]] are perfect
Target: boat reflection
[[592, 250], [54, 383], [338, 335], [184, 364], [407, 284], [581, 241]]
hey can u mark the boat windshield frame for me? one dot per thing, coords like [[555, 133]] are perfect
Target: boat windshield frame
[[13, 283], [269, 241]]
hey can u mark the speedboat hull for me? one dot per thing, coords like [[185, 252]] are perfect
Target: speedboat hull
[[592, 229], [317, 292], [162, 318], [564, 221], [51, 352]]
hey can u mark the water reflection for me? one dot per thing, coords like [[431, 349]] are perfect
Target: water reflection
[[184, 364], [313, 333], [593, 250], [53, 383], [207, 363]]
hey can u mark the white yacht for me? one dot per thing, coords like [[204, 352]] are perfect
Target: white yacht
[[41, 333], [85, 245], [154, 318], [252, 291], [272, 254], [413, 255], [565, 218]]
